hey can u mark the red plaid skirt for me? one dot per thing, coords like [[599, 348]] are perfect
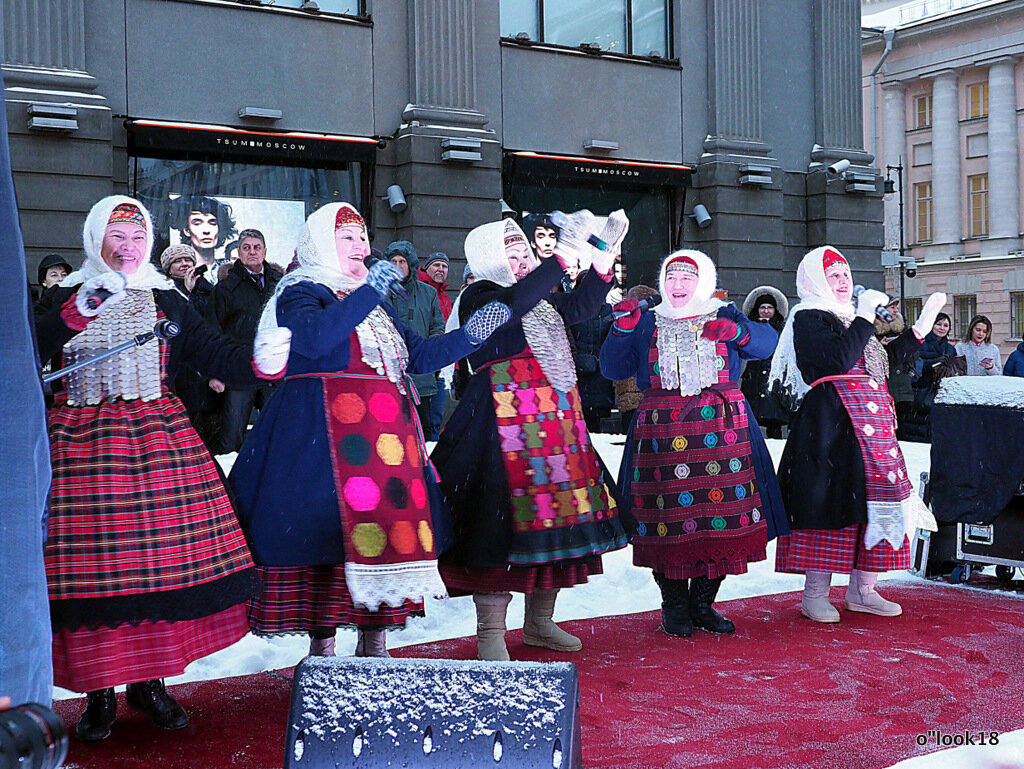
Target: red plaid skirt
[[138, 506], [838, 551], [298, 599], [87, 660], [466, 580]]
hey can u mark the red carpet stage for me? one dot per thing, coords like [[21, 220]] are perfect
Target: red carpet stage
[[783, 692]]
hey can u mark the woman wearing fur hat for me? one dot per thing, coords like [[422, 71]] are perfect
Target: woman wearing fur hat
[[843, 477], [146, 564], [687, 468], [532, 509], [764, 304], [333, 485]]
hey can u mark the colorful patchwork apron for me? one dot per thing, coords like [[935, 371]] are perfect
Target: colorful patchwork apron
[[694, 492]]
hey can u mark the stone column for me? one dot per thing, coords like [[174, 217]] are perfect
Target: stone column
[[1003, 194], [44, 44], [895, 155], [947, 184]]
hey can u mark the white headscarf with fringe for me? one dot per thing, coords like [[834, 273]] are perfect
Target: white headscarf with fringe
[[815, 294], [95, 227], [703, 300]]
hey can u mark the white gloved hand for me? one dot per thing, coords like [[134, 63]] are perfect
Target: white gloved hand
[[270, 352], [614, 232], [98, 293], [929, 312], [572, 248], [868, 301]]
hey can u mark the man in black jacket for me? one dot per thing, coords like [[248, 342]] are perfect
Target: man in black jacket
[[234, 308]]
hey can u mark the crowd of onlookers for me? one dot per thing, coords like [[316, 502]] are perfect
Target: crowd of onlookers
[[230, 292]]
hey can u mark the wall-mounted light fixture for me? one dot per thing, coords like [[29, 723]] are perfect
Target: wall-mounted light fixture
[[461, 150], [395, 198], [701, 216], [755, 175], [52, 117], [260, 113], [600, 145]]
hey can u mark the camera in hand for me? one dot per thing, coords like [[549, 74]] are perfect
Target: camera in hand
[[200, 270], [32, 737]]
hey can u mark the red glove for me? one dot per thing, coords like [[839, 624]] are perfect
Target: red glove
[[627, 322], [724, 330]]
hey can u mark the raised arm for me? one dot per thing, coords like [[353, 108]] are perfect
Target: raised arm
[[317, 321], [624, 354], [585, 301]]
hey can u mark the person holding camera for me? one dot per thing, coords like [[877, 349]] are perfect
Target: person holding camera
[[982, 356], [146, 564], [843, 477]]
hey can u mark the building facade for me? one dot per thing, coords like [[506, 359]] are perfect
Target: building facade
[[271, 110], [942, 112]]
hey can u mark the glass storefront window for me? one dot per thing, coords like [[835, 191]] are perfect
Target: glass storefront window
[[208, 203], [520, 16], [571, 22], [650, 28], [650, 219], [639, 27]]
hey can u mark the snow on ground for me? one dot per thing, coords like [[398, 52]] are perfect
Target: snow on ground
[[622, 589]]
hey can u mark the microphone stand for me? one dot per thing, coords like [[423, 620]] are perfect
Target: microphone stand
[[137, 341]]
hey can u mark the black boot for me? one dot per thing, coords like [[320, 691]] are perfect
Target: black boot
[[151, 698], [99, 715], [702, 595], [675, 615]]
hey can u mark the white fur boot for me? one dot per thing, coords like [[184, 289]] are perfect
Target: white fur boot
[[372, 643], [861, 596], [490, 625], [539, 630], [815, 604]]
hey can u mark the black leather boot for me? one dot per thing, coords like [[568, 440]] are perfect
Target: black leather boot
[[675, 614], [151, 698], [702, 595], [99, 715]]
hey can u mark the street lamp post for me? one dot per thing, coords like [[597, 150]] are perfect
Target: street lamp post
[[889, 187]]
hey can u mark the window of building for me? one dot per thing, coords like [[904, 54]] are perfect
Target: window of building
[[965, 307], [344, 7], [911, 310], [978, 186], [639, 27], [977, 145], [977, 100], [923, 211], [923, 154], [923, 109], [1017, 314]]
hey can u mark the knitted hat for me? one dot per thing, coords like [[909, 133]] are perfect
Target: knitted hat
[[467, 273], [437, 256], [172, 253]]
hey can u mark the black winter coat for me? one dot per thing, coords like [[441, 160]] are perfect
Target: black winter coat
[[236, 303], [589, 335], [822, 472]]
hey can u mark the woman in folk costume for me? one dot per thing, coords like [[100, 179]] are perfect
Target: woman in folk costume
[[333, 486], [843, 478], [532, 509], [695, 468], [147, 567]]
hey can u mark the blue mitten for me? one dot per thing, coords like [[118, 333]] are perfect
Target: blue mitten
[[381, 275], [486, 321]]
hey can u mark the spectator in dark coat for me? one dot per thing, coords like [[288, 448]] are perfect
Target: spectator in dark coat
[[597, 394], [765, 304], [916, 426], [435, 274], [235, 307], [901, 369], [627, 394], [420, 311], [201, 403], [1015, 363]]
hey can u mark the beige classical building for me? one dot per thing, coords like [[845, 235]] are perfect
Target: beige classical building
[[943, 83]]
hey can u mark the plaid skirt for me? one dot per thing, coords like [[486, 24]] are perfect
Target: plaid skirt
[[138, 509], [838, 551], [298, 599], [87, 660], [466, 580]]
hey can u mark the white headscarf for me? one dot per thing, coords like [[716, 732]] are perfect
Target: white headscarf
[[317, 253], [815, 294], [95, 227], [703, 300]]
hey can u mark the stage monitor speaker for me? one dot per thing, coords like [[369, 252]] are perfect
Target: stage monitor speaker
[[450, 714]]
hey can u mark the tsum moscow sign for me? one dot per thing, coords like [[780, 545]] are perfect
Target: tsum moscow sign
[[533, 166], [208, 142]]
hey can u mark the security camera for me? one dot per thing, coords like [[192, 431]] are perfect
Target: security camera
[[701, 216], [396, 199], [835, 170], [910, 270]]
